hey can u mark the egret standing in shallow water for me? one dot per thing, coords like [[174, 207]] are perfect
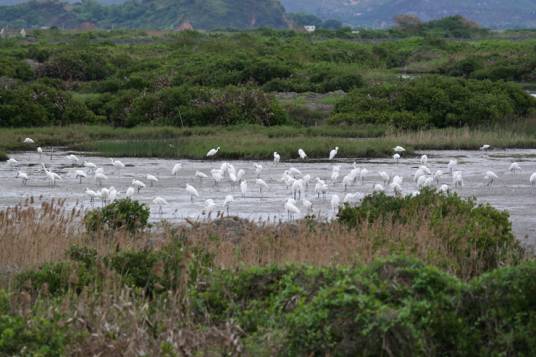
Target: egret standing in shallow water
[[176, 168], [23, 176], [396, 157], [152, 179], [262, 184], [490, 177], [290, 207], [244, 188], [514, 167], [52, 177], [118, 165], [159, 201], [532, 179], [227, 202], [138, 184], [485, 147], [79, 174], [40, 152], [192, 191], [277, 158]]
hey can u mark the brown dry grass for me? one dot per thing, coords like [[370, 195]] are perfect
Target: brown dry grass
[[31, 236]]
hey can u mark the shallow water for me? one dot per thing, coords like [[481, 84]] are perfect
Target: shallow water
[[510, 192]]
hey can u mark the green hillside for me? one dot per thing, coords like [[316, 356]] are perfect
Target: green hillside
[[159, 14]]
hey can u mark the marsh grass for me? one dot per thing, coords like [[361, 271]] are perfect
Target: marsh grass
[[256, 142]]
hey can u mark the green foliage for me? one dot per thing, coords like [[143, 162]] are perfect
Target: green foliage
[[121, 214], [39, 104], [435, 101], [467, 227], [502, 306], [39, 336], [396, 304], [77, 65], [3, 156], [151, 270], [57, 278]]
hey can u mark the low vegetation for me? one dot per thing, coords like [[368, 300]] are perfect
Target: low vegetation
[[413, 274]]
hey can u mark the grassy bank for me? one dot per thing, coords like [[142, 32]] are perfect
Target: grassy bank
[[256, 142], [371, 283]]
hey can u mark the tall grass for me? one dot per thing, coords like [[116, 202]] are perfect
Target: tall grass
[[257, 142]]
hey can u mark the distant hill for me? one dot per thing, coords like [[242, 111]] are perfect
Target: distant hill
[[380, 13], [160, 14]]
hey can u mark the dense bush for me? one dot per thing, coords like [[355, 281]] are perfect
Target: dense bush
[[435, 101], [122, 214], [41, 104], [469, 229], [77, 65], [397, 304]]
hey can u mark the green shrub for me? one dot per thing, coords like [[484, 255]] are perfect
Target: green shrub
[[57, 278], [121, 214], [435, 101], [39, 336], [3, 156], [501, 308], [151, 270], [479, 235]]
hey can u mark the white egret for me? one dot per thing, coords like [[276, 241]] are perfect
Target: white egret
[[192, 191], [40, 152], [138, 184], [485, 147], [159, 201], [385, 177], [297, 188], [244, 188], [52, 177], [424, 159], [307, 205], [118, 165], [302, 154], [396, 157], [378, 188], [437, 176], [92, 194], [363, 174], [227, 202], [176, 168], [213, 152], [514, 167], [12, 162], [291, 208], [277, 158], [29, 141], [23, 176], [333, 153], [335, 202], [452, 165], [79, 174], [457, 179], [490, 176], [130, 192], [294, 172], [444, 188], [73, 158], [262, 184], [532, 179], [91, 166], [152, 179], [209, 207], [398, 149], [201, 175], [335, 172], [100, 177], [258, 169]]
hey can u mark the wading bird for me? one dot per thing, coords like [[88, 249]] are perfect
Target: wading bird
[[302, 154], [192, 191], [333, 153], [213, 152]]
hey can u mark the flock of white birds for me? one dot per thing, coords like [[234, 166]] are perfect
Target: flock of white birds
[[296, 182]]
